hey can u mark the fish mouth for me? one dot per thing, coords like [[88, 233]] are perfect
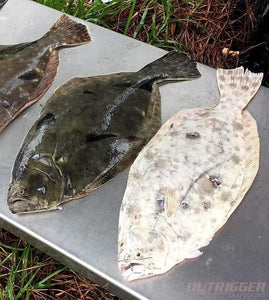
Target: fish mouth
[[24, 206], [133, 270], [17, 205]]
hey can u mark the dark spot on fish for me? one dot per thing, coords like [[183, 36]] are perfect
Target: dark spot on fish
[[232, 203], [93, 137], [88, 92], [235, 158], [225, 196], [193, 135], [237, 126], [207, 205], [215, 181], [205, 114], [185, 205], [245, 87], [30, 75], [172, 125], [186, 157], [160, 204], [46, 120], [5, 103]]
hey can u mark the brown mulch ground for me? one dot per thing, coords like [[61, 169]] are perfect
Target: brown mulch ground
[[241, 27], [67, 285]]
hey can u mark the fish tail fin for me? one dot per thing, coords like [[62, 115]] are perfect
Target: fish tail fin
[[237, 84], [172, 66], [66, 32]]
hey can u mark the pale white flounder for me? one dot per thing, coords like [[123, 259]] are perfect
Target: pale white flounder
[[189, 179]]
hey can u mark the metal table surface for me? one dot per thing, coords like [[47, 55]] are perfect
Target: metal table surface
[[84, 234]]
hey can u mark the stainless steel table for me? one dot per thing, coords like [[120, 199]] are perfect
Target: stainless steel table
[[84, 235]]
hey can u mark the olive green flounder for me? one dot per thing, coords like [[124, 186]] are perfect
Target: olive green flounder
[[90, 130], [30, 68]]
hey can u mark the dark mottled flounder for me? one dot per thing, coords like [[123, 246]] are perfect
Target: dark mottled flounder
[[2, 3], [90, 130], [29, 68]]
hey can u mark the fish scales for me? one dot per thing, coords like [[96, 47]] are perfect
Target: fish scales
[[188, 180], [30, 67], [90, 130]]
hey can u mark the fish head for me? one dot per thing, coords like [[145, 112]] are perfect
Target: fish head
[[37, 185], [142, 252]]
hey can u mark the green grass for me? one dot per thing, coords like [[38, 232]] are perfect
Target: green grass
[[20, 272], [150, 21], [27, 273]]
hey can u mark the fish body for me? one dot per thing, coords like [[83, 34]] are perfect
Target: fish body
[[188, 180], [30, 68], [89, 131]]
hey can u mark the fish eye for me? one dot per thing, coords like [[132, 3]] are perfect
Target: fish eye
[[138, 254], [42, 190], [121, 244], [36, 156], [185, 205], [21, 191]]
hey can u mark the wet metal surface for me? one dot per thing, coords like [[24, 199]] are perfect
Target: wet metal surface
[[84, 234]]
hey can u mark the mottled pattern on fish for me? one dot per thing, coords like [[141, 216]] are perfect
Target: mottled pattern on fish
[[90, 130], [30, 68], [189, 179]]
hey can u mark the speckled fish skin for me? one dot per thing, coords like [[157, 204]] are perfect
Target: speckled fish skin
[[30, 68], [188, 180], [89, 131]]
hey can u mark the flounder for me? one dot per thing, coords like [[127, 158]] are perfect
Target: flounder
[[89, 131], [28, 69], [188, 180]]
